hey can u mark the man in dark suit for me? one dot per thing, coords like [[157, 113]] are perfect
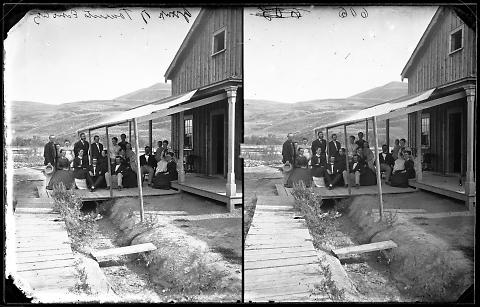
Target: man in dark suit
[[333, 173], [82, 144], [386, 162], [322, 144], [148, 163], [50, 152], [333, 147], [355, 169], [360, 140], [123, 142], [288, 155], [95, 175], [96, 147]]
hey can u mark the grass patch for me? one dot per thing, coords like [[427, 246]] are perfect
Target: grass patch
[[81, 227]]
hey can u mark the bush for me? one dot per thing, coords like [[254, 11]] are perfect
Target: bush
[[80, 227]]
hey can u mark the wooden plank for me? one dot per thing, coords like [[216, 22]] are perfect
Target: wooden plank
[[273, 263], [34, 210], [45, 265], [47, 273], [439, 215], [34, 200], [132, 249], [276, 251], [39, 258], [402, 210], [63, 247], [364, 248], [41, 253], [276, 256], [281, 190], [42, 192], [297, 268]]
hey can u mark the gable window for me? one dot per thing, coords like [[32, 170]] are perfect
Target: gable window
[[456, 40], [188, 138], [425, 130], [218, 41]]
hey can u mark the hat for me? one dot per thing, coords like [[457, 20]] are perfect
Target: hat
[[48, 169], [287, 168]]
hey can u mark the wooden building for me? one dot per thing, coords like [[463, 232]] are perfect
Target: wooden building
[[440, 105], [445, 60], [206, 108]]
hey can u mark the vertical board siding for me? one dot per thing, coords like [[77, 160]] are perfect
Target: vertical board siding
[[197, 67], [434, 66]]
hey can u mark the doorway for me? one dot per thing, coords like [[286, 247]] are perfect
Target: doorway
[[218, 144], [454, 147]]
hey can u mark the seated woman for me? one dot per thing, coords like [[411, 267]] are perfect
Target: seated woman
[[367, 175], [161, 165], [63, 173], [403, 169], [80, 171], [68, 151], [163, 179], [318, 165], [307, 149], [368, 156], [103, 161], [129, 179], [299, 154], [300, 173]]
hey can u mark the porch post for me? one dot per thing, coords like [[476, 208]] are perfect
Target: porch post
[[387, 132], [418, 144], [347, 162], [470, 173], [130, 132], [139, 170], [150, 134], [181, 135], [377, 163], [366, 129], [231, 186], [109, 162]]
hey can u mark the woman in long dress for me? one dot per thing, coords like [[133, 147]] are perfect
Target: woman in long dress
[[162, 180], [63, 173], [80, 171], [403, 169], [68, 148], [129, 175], [300, 173]]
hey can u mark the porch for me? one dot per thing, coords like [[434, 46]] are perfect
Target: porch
[[447, 185], [212, 187]]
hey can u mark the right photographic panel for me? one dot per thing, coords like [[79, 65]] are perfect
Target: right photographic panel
[[359, 153]]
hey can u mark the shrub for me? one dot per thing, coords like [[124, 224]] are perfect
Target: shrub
[[80, 227], [327, 286]]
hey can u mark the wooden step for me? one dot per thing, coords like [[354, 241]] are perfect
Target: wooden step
[[42, 192], [126, 250], [364, 248]]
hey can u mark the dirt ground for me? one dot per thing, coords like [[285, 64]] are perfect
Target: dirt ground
[[371, 272]]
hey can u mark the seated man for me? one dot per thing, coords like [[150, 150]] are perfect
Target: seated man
[[116, 176], [386, 162], [95, 175], [355, 169], [162, 179], [148, 163], [333, 174]]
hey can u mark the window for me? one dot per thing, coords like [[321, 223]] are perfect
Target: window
[[456, 40], [425, 130], [218, 41], [188, 139]]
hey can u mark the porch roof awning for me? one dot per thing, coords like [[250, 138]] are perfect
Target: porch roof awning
[[141, 113], [383, 109]]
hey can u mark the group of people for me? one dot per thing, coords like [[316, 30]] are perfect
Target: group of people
[[325, 163], [91, 166]]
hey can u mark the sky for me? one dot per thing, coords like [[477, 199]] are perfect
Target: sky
[[80, 56], [321, 55]]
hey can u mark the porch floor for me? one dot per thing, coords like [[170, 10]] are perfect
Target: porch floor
[[212, 187], [440, 184]]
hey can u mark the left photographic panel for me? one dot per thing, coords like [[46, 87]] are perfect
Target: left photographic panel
[[123, 172]]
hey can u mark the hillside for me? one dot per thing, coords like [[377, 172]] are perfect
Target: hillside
[[41, 119], [269, 117]]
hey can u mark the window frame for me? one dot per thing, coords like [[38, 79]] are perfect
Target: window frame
[[425, 116], [185, 118], [224, 30], [454, 31]]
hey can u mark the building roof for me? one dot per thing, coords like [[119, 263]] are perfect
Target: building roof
[[186, 40], [464, 12]]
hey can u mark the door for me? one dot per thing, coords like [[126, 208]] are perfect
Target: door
[[454, 146], [218, 144]]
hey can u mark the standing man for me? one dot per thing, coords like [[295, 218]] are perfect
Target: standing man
[[334, 146], [322, 144], [386, 162], [50, 152], [360, 140], [82, 144], [148, 164], [123, 142], [96, 147], [288, 154]]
